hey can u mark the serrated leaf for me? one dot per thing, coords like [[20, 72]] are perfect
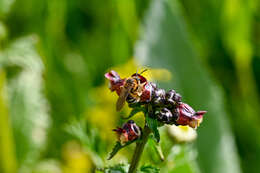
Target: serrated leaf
[[149, 169], [153, 125], [89, 140], [135, 111], [118, 147], [119, 168]]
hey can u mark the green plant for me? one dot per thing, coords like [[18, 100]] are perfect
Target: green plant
[[158, 106]]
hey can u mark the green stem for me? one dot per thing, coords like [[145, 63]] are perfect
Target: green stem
[[139, 150]]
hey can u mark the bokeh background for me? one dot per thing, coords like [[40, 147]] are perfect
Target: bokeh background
[[56, 112]]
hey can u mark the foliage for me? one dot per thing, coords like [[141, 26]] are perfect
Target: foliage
[[153, 125], [122, 168], [149, 169], [119, 168], [55, 109], [29, 117], [118, 147], [180, 59]]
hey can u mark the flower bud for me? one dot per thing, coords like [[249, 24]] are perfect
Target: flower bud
[[153, 85], [177, 97], [129, 132], [172, 97], [170, 94], [166, 116], [158, 97], [147, 92], [187, 116]]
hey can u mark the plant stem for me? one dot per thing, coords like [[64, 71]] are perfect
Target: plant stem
[[139, 150]]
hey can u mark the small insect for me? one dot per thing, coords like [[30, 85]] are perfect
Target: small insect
[[133, 86]]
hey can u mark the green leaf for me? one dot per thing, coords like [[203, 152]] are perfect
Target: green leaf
[[135, 111], [7, 148], [29, 107], [89, 139], [184, 158], [149, 169], [156, 147], [5, 6], [165, 44], [153, 125], [119, 168], [118, 147]]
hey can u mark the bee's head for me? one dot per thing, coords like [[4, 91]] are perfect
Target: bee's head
[[130, 81], [139, 77]]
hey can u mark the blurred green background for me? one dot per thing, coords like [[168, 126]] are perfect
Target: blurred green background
[[56, 112]]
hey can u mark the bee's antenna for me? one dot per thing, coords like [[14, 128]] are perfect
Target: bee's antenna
[[144, 71], [137, 74]]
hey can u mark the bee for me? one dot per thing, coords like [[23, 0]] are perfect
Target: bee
[[133, 87]]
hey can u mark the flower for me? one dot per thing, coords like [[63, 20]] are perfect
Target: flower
[[129, 132], [167, 106], [158, 97], [172, 97], [115, 81], [181, 134], [166, 116], [187, 116]]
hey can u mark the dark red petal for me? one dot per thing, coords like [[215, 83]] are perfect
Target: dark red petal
[[119, 130], [186, 110], [183, 120], [115, 81], [200, 113], [147, 93], [187, 116], [112, 76]]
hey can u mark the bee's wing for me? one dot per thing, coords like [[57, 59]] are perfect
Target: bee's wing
[[121, 100]]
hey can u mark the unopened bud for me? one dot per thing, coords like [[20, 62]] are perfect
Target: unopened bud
[[165, 116], [129, 132]]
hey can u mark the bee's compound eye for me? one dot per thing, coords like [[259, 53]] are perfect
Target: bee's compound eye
[[130, 80]]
